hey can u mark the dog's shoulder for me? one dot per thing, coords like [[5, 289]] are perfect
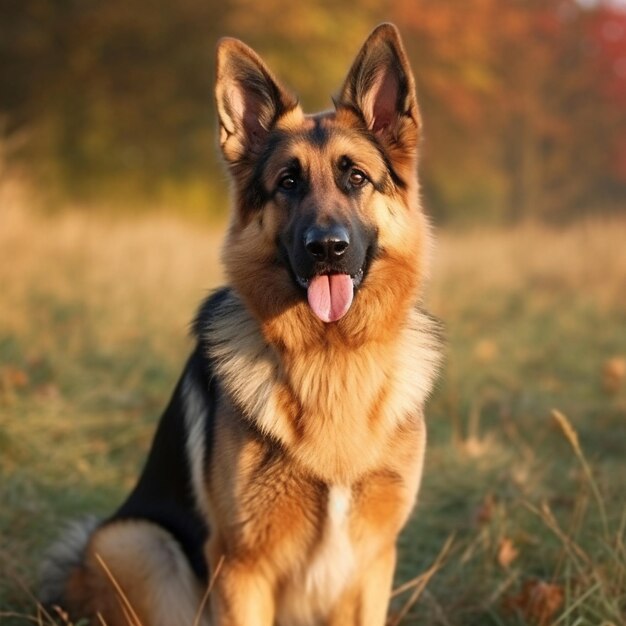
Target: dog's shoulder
[[216, 305]]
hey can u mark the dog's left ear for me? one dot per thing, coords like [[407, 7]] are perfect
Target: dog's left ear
[[249, 100], [380, 86]]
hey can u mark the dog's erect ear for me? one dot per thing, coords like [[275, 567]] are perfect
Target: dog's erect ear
[[381, 88], [249, 99]]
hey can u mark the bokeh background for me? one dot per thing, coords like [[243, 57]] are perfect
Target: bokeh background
[[113, 201], [524, 100]]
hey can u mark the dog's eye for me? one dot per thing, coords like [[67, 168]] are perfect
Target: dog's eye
[[287, 182], [357, 178]]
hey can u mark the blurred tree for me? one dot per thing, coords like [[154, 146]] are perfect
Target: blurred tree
[[453, 59], [515, 98], [310, 44], [559, 122], [523, 100], [111, 87], [605, 31]]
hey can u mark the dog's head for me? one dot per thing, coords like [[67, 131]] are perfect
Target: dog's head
[[327, 230]]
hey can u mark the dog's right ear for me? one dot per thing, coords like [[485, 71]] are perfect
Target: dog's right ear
[[249, 100]]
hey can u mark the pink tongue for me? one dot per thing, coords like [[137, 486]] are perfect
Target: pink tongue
[[330, 297]]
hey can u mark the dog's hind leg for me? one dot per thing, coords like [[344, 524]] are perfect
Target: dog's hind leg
[[134, 573]]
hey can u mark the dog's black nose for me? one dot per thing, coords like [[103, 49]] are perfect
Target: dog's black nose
[[326, 244]]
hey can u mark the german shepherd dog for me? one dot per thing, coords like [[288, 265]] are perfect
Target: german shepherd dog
[[290, 455]]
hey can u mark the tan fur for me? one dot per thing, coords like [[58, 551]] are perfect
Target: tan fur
[[327, 416], [318, 437], [157, 585]]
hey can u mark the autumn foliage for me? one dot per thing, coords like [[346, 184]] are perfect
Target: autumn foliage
[[524, 101]]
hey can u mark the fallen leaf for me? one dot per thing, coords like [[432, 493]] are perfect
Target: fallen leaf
[[48, 391], [13, 378], [538, 601], [485, 510], [486, 350], [507, 552], [613, 374]]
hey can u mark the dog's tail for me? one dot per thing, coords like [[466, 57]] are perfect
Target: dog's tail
[[62, 557]]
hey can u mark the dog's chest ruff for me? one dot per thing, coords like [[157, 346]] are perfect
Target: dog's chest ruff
[[313, 589], [326, 421]]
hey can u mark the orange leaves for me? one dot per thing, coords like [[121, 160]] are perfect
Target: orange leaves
[[13, 381], [484, 512], [455, 54], [538, 601], [539, 83], [483, 516], [613, 374], [13, 378], [486, 351], [507, 552]]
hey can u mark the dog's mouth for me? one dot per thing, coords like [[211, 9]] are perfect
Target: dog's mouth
[[330, 286], [330, 294]]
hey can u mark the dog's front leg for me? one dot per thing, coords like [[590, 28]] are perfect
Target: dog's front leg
[[366, 603], [241, 596]]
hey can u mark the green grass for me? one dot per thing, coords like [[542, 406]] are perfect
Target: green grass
[[93, 336]]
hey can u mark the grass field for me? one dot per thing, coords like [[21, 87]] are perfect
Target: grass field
[[521, 517]]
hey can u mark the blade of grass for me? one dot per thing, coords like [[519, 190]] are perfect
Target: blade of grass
[[576, 603], [572, 436], [28, 618], [420, 582], [127, 608], [24, 587], [207, 593]]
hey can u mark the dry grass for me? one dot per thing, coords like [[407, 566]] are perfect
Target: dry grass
[[119, 270], [587, 258], [93, 333]]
